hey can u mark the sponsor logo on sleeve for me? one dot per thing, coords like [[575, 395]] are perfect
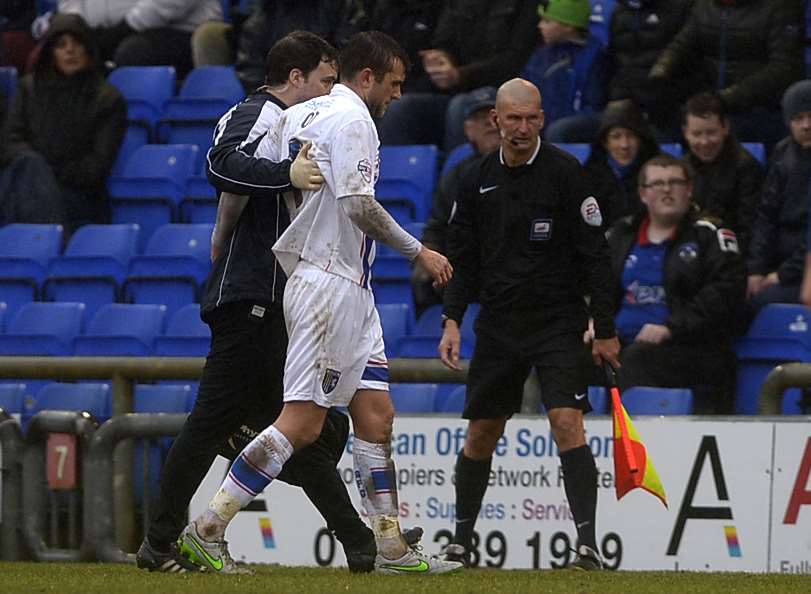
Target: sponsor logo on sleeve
[[728, 241], [365, 169], [590, 212]]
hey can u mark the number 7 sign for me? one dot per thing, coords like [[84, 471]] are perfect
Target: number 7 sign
[[61, 460]]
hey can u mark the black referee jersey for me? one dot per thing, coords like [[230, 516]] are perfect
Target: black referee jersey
[[246, 270], [529, 240]]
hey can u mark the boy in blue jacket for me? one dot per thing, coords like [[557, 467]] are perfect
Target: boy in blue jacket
[[569, 69]]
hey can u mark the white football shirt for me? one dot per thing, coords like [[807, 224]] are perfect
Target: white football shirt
[[345, 146]]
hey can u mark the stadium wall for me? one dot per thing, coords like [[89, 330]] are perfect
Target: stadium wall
[[739, 494]]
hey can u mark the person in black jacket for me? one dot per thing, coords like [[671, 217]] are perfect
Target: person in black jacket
[[412, 23], [241, 387], [477, 43], [640, 30], [748, 51], [66, 113], [526, 241], [679, 291], [777, 252], [623, 143], [727, 179], [270, 20]]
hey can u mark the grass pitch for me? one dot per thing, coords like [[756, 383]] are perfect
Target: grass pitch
[[87, 578]]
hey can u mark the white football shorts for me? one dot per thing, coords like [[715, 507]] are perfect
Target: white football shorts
[[335, 341]]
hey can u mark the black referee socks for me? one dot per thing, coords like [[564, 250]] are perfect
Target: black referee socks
[[472, 477], [580, 482]]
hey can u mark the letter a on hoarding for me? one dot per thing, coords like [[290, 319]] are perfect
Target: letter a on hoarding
[[800, 495], [708, 447]]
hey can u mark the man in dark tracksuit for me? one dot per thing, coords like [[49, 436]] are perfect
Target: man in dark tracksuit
[[241, 386], [527, 240]]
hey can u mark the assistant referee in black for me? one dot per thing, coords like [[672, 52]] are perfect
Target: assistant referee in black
[[526, 241]]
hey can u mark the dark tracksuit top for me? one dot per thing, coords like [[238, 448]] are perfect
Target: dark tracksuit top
[[527, 242], [246, 270]]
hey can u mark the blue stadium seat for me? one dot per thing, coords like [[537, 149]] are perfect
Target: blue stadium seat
[[407, 178], [757, 150], [778, 334], [422, 346], [156, 399], [451, 401], [12, 399], [456, 156], [161, 398], [391, 267], [173, 268], [134, 138], [146, 89], [153, 183], [186, 335], [392, 290], [643, 400], [200, 203], [672, 148], [95, 398], [3, 316], [430, 322], [396, 320], [206, 94], [120, 329], [8, 82], [93, 266], [24, 254], [43, 329], [580, 150], [413, 398], [598, 398], [424, 341], [600, 19]]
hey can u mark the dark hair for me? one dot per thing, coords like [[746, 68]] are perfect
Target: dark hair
[[300, 49], [704, 105], [371, 49], [662, 160]]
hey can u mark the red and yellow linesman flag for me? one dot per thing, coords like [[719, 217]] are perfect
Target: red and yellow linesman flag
[[632, 466]]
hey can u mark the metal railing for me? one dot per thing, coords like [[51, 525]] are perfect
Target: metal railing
[[123, 372]]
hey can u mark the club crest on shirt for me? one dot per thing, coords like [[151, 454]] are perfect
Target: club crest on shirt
[[590, 211], [688, 252], [330, 381], [365, 169]]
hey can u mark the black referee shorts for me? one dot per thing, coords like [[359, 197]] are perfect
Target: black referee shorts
[[502, 361]]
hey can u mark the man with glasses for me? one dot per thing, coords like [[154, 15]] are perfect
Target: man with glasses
[[680, 289]]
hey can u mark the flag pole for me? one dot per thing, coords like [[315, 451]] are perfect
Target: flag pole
[[619, 415]]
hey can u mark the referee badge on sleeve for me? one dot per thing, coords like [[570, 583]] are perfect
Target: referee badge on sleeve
[[330, 381], [590, 212], [541, 230]]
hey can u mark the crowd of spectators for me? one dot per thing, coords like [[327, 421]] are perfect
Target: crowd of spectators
[[709, 74]]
